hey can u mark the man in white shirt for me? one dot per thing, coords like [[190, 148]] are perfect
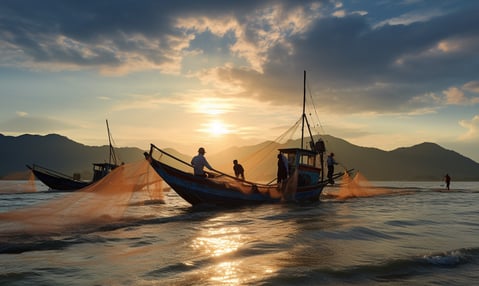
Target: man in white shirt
[[199, 162]]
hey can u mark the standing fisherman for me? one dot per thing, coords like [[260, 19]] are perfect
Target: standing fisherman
[[331, 162], [447, 179]]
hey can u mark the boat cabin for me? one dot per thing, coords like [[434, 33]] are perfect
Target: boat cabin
[[100, 170], [309, 169]]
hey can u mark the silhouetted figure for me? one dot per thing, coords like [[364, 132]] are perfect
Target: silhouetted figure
[[447, 179], [282, 174], [331, 162], [239, 171], [199, 162]]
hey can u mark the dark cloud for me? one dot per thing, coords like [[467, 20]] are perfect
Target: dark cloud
[[354, 65], [104, 27], [352, 62]]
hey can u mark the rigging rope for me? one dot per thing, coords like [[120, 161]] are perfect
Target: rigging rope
[[314, 109], [279, 139]]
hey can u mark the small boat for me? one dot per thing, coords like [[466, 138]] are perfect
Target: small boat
[[305, 183], [57, 181]]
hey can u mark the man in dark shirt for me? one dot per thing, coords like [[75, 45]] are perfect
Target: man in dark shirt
[[238, 169]]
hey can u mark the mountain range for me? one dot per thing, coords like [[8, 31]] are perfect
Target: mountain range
[[422, 162]]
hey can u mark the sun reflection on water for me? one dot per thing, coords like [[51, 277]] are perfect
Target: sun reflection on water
[[231, 251], [217, 242], [227, 273]]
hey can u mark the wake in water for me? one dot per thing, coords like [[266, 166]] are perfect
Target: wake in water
[[101, 203], [406, 270]]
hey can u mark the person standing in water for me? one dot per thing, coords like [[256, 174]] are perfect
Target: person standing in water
[[447, 179]]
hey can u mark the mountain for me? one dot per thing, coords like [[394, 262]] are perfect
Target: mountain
[[422, 162], [55, 152]]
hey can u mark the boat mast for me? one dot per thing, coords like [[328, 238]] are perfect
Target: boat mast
[[112, 151], [304, 103]]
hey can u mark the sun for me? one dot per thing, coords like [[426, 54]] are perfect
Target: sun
[[216, 128]]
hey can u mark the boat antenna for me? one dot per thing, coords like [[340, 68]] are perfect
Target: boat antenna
[[112, 150], [304, 104]]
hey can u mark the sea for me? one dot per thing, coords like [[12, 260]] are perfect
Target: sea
[[417, 233]]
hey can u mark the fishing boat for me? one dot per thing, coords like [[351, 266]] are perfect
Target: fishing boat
[[304, 184], [57, 181]]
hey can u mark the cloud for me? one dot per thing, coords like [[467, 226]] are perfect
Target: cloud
[[113, 39], [356, 62], [410, 18], [472, 127], [454, 96], [339, 13], [472, 86]]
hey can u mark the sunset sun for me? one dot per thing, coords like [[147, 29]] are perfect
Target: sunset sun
[[216, 128]]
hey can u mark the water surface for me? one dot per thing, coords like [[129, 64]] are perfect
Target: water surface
[[419, 234]]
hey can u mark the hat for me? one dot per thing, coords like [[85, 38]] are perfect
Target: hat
[[201, 150]]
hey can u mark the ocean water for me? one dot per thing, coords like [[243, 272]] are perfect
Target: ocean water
[[417, 234]]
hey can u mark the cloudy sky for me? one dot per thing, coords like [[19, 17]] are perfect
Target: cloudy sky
[[182, 74]]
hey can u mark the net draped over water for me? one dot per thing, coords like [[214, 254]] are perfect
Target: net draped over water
[[20, 186], [358, 186], [135, 184], [103, 202]]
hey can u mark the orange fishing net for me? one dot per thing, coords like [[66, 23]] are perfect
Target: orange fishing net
[[358, 186], [19, 186], [103, 202]]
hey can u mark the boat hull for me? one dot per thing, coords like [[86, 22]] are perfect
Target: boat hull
[[58, 183], [203, 191]]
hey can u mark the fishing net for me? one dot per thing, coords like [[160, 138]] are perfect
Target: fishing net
[[248, 188], [358, 186], [224, 180], [10, 187], [101, 203]]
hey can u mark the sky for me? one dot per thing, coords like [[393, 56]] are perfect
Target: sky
[[184, 74]]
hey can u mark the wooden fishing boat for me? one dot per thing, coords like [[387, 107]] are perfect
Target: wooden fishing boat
[[305, 183], [224, 190], [57, 181]]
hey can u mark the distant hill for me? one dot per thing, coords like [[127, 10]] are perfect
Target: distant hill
[[55, 152], [422, 162]]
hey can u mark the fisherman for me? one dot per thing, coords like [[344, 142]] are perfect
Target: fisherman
[[282, 174], [331, 162], [447, 179], [199, 162], [238, 169]]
